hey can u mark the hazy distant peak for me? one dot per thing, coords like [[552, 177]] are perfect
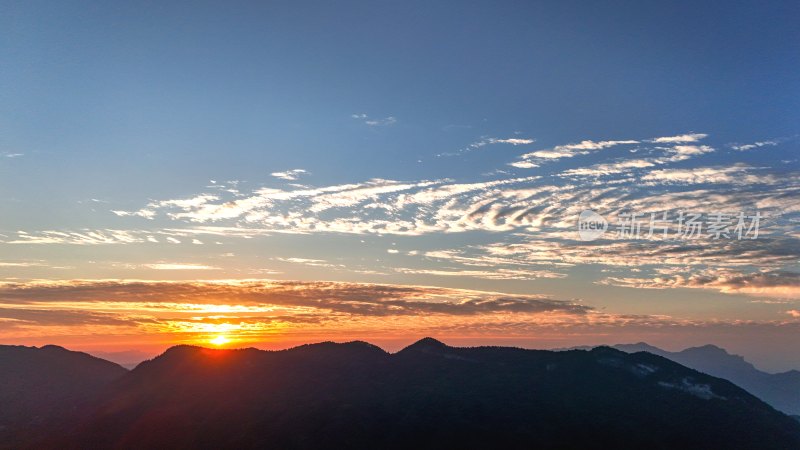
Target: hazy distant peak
[[709, 348]]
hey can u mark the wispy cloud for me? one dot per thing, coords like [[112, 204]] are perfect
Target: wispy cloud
[[691, 137], [490, 273], [570, 150], [179, 266], [777, 284], [375, 122], [737, 174], [350, 298], [289, 175], [745, 147], [485, 141], [678, 152]]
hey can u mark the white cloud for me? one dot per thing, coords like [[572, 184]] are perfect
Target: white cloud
[[524, 165], [745, 147], [289, 175], [515, 141], [737, 174], [484, 141], [146, 213], [683, 152], [570, 150], [693, 137], [758, 284], [533, 159]]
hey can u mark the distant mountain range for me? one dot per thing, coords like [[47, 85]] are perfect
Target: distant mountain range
[[355, 395], [781, 390]]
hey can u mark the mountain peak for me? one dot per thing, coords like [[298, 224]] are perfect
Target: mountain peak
[[639, 347], [426, 344], [53, 348], [711, 348]]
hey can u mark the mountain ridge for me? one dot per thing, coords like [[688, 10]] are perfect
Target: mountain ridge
[[781, 390], [428, 395], [355, 395]]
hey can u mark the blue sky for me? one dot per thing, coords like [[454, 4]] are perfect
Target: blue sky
[[403, 143]]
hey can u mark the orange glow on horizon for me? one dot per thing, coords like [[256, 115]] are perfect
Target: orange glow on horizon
[[220, 340]]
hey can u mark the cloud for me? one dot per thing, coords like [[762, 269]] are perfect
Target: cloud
[[670, 155], [762, 252], [491, 273], [84, 237], [289, 175], [527, 225], [693, 137], [390, 120], [15, 318], [148, 212], [776, 284], [179, 266], [414, 208], [608, 169], [523, 164], [485, 141], [255, 312], [349, 298], [679, 152], [684, 152], [20, 264], [737, 174], [514, 141], [570, 150], [745, 147]]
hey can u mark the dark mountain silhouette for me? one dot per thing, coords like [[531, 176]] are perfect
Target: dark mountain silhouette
[[428, 395], [781, 390], [40, 388]]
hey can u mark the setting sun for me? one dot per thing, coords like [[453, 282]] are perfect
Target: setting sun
[[220, 340]]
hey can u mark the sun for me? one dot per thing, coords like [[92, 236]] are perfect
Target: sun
[[220, 340]]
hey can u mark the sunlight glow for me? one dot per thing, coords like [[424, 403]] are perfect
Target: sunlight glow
[[220, 340]]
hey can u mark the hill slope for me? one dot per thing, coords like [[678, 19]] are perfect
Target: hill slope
[[428, 395], [781, 390], [40, 388]]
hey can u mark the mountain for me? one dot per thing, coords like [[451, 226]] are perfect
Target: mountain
[[41, 387], [781, 390], [428, 395]]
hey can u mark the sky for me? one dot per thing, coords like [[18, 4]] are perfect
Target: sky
[[285, 172]]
